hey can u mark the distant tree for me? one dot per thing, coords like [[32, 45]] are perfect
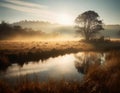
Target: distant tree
[[9, 31], [4, 26], [88, 24], [119, 32]]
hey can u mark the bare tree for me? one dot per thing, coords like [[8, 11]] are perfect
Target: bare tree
[[88, 24]]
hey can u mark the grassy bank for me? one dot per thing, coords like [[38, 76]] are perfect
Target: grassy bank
[[21, 52]]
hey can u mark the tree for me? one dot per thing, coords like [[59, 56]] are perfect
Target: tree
[[88, 24], [119, 33]]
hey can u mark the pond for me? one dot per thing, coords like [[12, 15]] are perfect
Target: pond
[[69, 66]]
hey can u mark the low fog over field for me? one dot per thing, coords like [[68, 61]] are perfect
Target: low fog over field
[[40, 30], [112, 31]]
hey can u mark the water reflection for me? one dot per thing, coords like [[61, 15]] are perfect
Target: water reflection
[[87, 59], [69, 66]]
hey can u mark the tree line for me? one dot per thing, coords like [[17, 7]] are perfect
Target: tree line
[[8, 31]]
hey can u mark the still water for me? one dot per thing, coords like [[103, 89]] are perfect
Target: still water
[[69, 66]]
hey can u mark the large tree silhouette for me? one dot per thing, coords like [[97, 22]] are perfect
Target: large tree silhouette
[[88, 24]]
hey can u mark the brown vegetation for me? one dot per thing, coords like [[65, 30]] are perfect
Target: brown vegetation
[[104, 79], [21, 52], [99, 79]]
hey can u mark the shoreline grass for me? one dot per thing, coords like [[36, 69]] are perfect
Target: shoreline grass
[[22, 52]]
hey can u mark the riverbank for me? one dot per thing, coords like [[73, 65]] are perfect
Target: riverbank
[[15, 47], [21, 52]]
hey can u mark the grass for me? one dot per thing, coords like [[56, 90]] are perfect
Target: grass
[[21, 52], [104, 79], [51, 86], [99, 79]]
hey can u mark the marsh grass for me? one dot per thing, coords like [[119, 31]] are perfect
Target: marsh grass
[[5, 88], [99, 79], [22, 52], [105, 78], [50, 86]]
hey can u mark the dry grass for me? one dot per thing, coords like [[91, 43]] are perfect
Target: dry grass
[[51, 86], [5, 88], [99, 79], [17, 46], [106, 78]]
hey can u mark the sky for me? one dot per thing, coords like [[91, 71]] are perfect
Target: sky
[[58, 11]]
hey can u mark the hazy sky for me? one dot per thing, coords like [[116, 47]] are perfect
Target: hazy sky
[[50, 10]]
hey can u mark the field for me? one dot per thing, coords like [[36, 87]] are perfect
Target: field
[[15, 47], [32, 46]]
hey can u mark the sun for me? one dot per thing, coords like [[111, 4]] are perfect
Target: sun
[[64, 19]]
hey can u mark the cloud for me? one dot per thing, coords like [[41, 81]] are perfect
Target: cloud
[[15, 7], [31, 8], [24, 3]]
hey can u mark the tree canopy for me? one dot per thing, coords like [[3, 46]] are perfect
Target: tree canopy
[[7, 31], [88, 24]]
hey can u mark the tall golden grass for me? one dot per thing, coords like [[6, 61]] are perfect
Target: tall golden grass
[[105, 78]]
